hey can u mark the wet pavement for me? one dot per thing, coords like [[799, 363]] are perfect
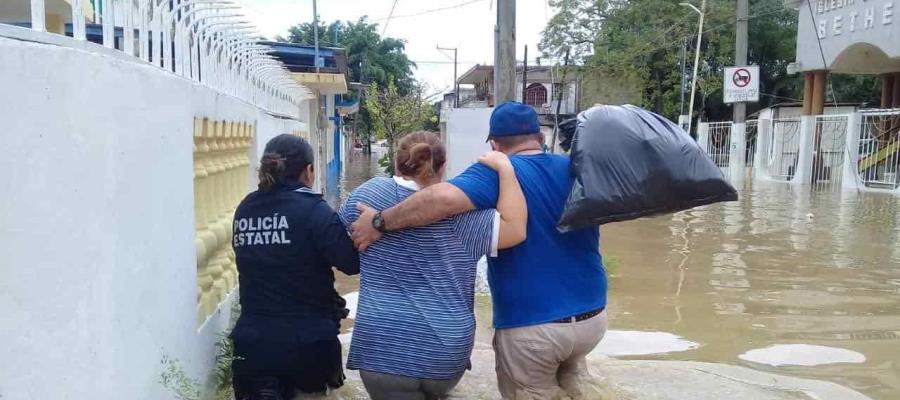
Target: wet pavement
[[788, 281]]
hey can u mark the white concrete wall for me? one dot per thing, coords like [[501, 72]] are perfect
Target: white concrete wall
[[467, 131], [97, 258]]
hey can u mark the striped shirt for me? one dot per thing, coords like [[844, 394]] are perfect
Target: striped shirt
[[415, 315]]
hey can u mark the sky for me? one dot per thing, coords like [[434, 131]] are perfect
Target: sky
[[465, 24]]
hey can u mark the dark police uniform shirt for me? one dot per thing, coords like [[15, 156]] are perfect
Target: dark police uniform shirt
[[286, 241]]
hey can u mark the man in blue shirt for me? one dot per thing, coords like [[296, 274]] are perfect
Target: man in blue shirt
[[549, 293]]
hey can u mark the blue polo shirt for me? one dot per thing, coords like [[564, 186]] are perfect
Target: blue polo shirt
[[551, 275]]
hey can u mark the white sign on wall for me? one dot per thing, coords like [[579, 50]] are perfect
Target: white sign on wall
[[741, 84]]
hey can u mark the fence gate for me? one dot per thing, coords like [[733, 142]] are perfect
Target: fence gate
[[784, 148], [879, 148], [719, 143], [830, 142], [752, 131]]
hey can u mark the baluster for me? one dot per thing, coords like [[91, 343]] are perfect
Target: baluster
[[109, 24], [38, 16]]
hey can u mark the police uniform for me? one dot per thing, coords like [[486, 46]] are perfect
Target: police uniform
[[286, 240]]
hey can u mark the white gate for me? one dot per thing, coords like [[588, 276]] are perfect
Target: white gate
[[828, 154], [784, 148], [719, 142], [879, 148], [752, 130]]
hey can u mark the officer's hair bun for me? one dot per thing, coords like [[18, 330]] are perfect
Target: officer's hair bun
[[420, 155], [271, 166]]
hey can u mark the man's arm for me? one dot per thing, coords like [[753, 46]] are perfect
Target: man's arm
[[426, 206]]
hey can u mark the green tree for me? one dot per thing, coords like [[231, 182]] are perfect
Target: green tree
[[395, 114], [641, 41], [370, 58]]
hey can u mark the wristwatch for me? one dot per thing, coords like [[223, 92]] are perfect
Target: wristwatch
[[378, 223]]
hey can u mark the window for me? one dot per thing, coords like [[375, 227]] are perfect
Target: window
[[535, 95]]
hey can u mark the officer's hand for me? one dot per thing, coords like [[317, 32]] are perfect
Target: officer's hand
[[364, 233]]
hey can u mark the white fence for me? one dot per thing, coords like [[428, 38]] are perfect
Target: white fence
[[104, 147], [206, 41], [752, 130], [719, 142], [879, 148], [784, 148], [830, 150], [843, 151]]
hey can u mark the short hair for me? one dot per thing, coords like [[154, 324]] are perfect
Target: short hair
[[512, 141]]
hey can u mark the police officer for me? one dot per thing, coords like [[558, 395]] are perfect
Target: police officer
[[286, 239]]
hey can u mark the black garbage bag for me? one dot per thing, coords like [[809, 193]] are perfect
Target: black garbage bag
[[567, 133], [630, 163]]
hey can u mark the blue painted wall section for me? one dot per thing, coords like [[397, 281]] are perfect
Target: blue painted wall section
[[333, 173]]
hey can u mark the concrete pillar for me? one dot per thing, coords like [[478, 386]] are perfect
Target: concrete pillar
[[887, 90], [818, 108], [703, 136], [896, 91], [803, 171], [737, 160], [818, 99], [763, 138], [850, 179], [808, 79]]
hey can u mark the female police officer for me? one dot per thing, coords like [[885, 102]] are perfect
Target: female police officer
[[286, 239]]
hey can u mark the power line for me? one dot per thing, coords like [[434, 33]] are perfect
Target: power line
[[388, 21]]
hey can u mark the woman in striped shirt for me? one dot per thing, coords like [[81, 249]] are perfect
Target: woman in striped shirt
[[415, 325]]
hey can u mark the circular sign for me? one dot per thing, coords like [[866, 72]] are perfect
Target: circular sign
[[741, 77]]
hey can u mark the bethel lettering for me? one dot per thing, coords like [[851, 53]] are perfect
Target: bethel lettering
[[871, 18]]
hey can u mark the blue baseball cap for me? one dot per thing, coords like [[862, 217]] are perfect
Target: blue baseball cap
[[512, 119]]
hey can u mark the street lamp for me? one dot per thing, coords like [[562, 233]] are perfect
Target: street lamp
[[696, 59]]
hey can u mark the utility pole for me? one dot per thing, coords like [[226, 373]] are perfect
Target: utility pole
[[702, 12], [316, 36], [683, 67], [455, 84], [740, 53], [524, 73], [505, 52]]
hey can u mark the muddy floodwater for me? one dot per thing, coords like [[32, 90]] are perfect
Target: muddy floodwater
[[788, 280]]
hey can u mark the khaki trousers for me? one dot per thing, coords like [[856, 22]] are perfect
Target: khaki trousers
[[547, 361]]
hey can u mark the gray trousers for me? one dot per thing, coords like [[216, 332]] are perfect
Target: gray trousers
[[396, 387]]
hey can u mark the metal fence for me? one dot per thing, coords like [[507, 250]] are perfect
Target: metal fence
[[751, 132], [879, 148], [830, 143], [204, 40], [784, 148], [719, 142]]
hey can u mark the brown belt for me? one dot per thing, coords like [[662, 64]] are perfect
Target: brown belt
[[579, 317]]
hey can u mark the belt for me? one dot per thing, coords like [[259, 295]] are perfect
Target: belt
[[579, 317]]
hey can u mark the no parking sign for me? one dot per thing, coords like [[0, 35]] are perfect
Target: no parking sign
[[741, 84]]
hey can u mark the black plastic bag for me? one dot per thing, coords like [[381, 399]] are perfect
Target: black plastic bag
[[630, 163]]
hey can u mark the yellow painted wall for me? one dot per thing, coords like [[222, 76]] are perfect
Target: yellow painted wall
[[221, 170]]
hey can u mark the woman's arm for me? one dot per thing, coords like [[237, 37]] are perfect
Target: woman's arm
[[333, 241], [511, 202]]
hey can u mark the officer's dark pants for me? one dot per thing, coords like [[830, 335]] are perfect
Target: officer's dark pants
[[274, 358]]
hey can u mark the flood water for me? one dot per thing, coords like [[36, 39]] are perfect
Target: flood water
[[787, 280]]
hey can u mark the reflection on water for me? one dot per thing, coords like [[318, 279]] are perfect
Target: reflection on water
[[783, 266]]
